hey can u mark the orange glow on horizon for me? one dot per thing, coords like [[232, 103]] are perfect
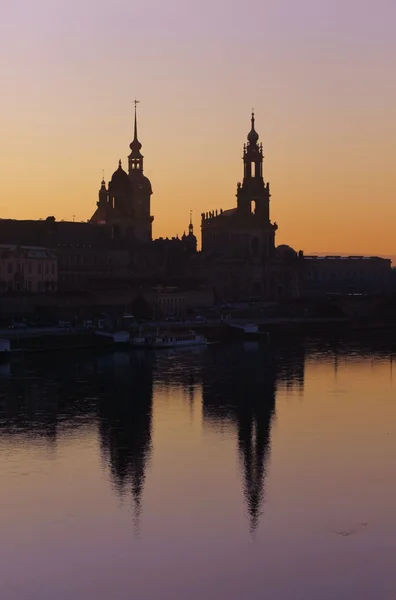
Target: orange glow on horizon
[[321, 87]]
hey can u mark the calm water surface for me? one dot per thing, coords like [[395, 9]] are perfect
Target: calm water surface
[[231, 472]]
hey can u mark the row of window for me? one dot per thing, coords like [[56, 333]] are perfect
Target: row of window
[[171, 301], [30, 267], [323, 275], [87, 260], [28, 286], [237, 245]]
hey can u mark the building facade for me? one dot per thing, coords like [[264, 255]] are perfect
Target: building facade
[[27, 269], [345, 275]]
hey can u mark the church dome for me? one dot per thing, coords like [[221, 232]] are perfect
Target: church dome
[[285, 252], [120, 179]]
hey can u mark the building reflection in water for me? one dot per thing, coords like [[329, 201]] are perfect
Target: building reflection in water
[[239, 387], [42, 399], [39, 398], [240, 384], [125, 423], [115, 391]]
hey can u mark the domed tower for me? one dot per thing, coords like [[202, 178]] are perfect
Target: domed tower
[[141, 187], [253, 188], [121, 194]]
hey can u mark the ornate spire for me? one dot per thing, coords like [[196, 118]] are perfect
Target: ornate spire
[[135, 137], [253, 135], [191, 226], [135, 145], [120, 164]]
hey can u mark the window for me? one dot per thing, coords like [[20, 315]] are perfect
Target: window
[[46, 268], [10, 268], [29, 267], [53, 268], [39, 268]]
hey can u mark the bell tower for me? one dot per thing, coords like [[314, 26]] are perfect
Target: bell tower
[[103, 195], [141, 187], [253, 189]]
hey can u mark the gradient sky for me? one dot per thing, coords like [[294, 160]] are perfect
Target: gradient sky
[[319, 73]]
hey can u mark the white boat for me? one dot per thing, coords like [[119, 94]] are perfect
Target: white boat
[[247, 329], [168, 340]]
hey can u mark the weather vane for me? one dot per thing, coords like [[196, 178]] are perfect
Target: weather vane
[[136, 102]]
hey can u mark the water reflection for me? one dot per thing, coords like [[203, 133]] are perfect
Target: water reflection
[[239, 387], [42, 398], [290, 444], [125, 416]]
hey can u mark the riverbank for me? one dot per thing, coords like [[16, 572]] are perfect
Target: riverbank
[[52, 339]]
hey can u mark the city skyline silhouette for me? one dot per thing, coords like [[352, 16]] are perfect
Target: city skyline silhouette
[[324, 111]]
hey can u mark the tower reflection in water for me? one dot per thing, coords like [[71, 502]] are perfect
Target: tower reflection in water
[[239, 387], [125, 423], [114, 392]]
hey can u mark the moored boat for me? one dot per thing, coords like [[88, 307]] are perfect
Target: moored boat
[[247, 330], [176, 339]]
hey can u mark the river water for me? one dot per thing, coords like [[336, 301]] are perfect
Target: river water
[[232, 472]]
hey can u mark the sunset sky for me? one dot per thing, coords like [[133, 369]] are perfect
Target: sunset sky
[[320, 75]]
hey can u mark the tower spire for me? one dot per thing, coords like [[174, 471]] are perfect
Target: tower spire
[[253, 135], [135, 158], [135, 137], [191, 226]]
